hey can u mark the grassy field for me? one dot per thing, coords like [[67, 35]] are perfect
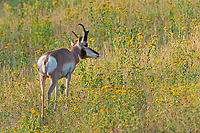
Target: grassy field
[[146, 79]]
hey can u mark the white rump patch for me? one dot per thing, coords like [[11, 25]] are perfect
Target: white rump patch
[[40, 64], [51, 65], [67, 68]]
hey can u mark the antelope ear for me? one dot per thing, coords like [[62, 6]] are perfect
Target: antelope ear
[[79, 43], [72, 43]]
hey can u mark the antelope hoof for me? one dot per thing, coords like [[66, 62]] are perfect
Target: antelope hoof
[[42, 117], [55, 109], [66, 107]]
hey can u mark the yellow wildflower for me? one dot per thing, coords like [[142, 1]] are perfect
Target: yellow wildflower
[[117, 38], [114, 96], [183, 28], [106, 87], [54, 3], [137, 11], [22, 112], [140, 35], [92, 39], [122, 52], [34, 65], [197, 26], [132, 46], [127, 38], [119, 8], [47, 16]]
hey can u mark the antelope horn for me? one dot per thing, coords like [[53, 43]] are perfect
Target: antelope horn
[[85, 33], [75, 34], [79, 38]]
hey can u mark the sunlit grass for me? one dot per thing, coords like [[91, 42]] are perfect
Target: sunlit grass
[[146, 79]]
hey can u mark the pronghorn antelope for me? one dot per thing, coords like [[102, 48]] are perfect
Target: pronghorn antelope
[[61, 63]]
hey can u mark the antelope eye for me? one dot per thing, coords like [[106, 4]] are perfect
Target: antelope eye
[[86, 45]]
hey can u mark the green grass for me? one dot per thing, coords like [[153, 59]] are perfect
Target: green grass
[[146, 79]]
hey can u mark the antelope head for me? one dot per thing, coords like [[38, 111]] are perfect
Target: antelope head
[[86, 52]]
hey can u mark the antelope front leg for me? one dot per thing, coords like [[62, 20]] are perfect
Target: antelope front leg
[[56, 93], [67, 86]]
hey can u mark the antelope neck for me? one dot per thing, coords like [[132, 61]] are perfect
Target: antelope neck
[[76, 53]]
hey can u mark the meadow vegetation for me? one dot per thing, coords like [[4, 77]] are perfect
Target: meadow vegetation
[[146, 79]]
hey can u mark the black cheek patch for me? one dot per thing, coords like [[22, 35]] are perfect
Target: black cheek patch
[[86, 45], [83, 53]]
